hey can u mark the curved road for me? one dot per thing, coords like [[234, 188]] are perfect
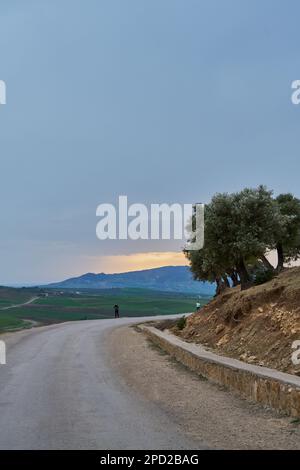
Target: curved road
[[58, 392]]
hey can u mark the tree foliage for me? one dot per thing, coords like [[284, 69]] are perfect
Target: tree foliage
[[240, 228], [288, 234]]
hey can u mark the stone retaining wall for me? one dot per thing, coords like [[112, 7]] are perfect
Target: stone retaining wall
[[275, 389]]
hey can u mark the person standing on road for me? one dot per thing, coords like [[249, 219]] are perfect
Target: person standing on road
[[116, 307]]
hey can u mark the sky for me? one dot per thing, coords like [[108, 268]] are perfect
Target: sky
[[160, 100]]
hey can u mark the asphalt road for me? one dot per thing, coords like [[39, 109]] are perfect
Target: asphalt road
[[58, 392]]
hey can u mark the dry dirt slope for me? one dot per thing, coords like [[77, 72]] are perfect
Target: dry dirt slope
[[258, 325]]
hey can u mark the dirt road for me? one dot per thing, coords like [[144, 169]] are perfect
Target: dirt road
[[30, 301]]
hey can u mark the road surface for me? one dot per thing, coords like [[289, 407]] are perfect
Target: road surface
[[57, 391]]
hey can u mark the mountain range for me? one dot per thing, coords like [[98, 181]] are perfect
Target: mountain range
[[167, 278]]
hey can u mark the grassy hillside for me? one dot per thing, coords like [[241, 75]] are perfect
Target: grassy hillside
[[258, 325], [67, 305]]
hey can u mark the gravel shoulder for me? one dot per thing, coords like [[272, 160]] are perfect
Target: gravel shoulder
[[202, 410]]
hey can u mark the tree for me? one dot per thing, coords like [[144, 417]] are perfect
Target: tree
[[257, 220], [288, 233], [215, 262], [238, 227], [241, 226]]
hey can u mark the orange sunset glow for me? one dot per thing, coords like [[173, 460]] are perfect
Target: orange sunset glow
[[138, 261]]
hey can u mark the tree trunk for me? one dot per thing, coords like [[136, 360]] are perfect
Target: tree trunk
[[243, 274], [267, 263], [219, 283], [226, 282], [280, 254], [234, 277], [221, 286]]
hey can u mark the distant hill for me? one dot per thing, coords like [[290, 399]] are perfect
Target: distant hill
[[168, 278]]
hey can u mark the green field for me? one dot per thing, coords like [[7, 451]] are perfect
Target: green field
[[10, 296], [67, 305]]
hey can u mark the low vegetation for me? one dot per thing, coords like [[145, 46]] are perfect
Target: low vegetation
[[181, 323]]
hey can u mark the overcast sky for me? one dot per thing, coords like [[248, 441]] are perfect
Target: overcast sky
[[160, 100]]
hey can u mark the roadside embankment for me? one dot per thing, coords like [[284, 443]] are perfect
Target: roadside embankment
[[258, 326], [270, 387]]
